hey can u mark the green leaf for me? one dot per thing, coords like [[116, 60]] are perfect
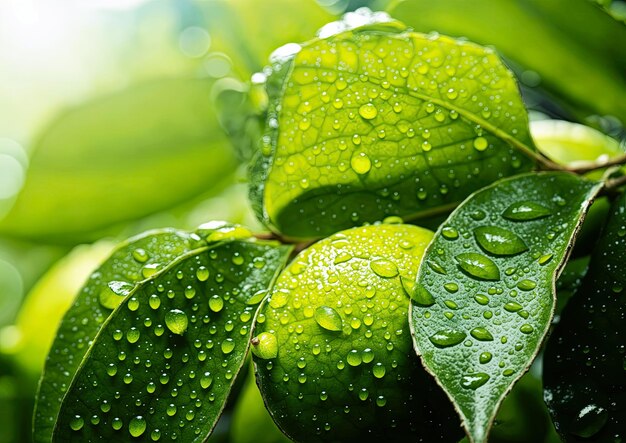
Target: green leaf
[[131, 262], [481, 333], [584, 362], [379, 121], [570, 44], [98, 164], [333, 353], [164, 362]]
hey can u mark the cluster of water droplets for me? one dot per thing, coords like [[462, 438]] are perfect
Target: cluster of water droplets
[[480, 292], [166, 359], [335, 341], [391, 112]]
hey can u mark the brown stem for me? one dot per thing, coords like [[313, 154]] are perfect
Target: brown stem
[[583, 168], [613, 184]]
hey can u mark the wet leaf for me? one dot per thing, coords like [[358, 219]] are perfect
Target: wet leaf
[[378, 121], [163, 364], [341, 366], [97, 165], [131, 262], [481, 334], [585, 360], [586, 74]]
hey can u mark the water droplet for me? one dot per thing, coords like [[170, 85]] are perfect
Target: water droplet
[[361, 163], [451, 287], [140, 255], [354, 358], [450, 233], [133, 304], [137, 426], [526, 285], [481, 334], [379, 370], [526, 328], [132, 335], [367, 355], [149, 270], [216, 303], [77, 423], [111, 369], [381, 401], [589, 421], [544, 259], [228, 345], [484, 357], [154, 301], [526, 210], [368, 111], [499, 241], [478, 266], [447, 337], [474, 381], [328, 318], [265, 345], [480, 143], [422, 296], [176, 321], [436, 267], [481, 299], [512, 306], [117, 423], [342, 257], [384, 268]]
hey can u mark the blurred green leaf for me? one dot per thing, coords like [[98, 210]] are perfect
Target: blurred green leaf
[[121, 157], [585, 359], [576, 48], [249, 30], [377, 121]]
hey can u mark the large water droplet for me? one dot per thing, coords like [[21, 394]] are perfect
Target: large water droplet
[[474, 381], [328, 318], [361, 163], [216, 303], [481, 334], [368, 111], [526, 210], [526, 285], [478, 266], [480, 143], [589, 421], [499, 241], [422, 296], [176, 321], [485, 357], [384, 268], [137, 426], [265, 345], [447, 337], [228, 346], [77, 423], [354, 358]]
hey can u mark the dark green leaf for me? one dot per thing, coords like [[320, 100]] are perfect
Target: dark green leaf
[[571, 44], [585, 360], [380, 121], [482, 333], [164, 362], [131, 262], [100, 164]]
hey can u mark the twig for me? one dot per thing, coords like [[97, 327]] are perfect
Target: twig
[[583, 168]]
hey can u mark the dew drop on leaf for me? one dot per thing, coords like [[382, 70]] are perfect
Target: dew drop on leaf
[[384, 268], [499, 241], [137, 426], [447, 337], [176, 321], [481, 334], [474, 381], [328, 318], [478, 266], [526, 210]]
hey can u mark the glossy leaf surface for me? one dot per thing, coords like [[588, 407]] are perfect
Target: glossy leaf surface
[[478, 335], [97, 165], [131, 262], [342, 367], [585, 360], [163, 364], [568, 45], [380, 121]]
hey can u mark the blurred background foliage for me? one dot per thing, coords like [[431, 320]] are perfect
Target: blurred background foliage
[[118, 116]]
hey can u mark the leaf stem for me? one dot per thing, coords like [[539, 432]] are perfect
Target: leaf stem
[[613, 184], [585, 167]]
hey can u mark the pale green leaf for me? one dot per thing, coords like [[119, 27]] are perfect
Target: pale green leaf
[[485, 321], [121, 157]]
